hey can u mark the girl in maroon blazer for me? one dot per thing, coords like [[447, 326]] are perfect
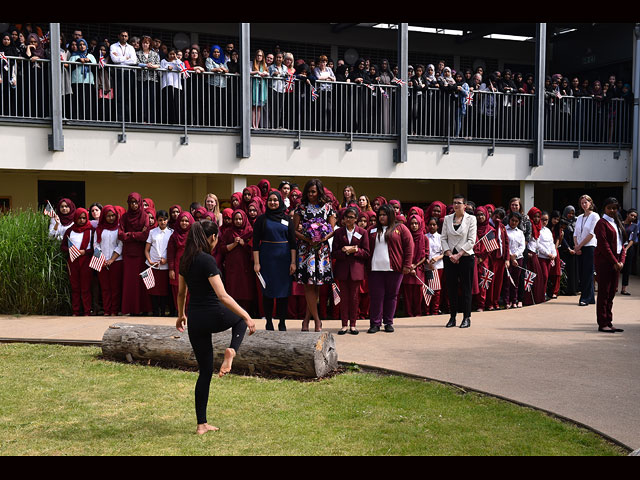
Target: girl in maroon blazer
[[350, 251], [412, 283], [483, 257], [498, 262], [391, 247], [609, 257]]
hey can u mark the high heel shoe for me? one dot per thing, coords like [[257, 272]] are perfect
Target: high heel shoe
[[305, 325]]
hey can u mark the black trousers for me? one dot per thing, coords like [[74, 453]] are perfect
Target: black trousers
[[460, 275], [201, 325], [586, 268], [281, 307]]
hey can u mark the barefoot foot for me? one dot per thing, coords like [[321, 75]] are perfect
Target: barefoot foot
[[225, 368], [205, 427]]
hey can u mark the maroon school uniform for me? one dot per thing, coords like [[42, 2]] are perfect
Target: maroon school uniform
[[79, 271]]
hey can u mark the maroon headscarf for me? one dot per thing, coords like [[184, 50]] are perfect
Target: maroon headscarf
[[150, 203], [174, 223], [238, 196], [255, 191], [535, 227], [245, 231], [443, 211], [179, 234], [134, 221], [381, 201], [261, 184], [152, 211], [67, 219], [484, 227], [202, 211], [102, 223], [121, 211], [422, 228], [257, 203], [87, 226]]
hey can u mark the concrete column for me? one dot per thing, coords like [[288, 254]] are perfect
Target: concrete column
[[199, 188], [635, 154], [527, 195], [238, 184], [541, 61], [244, 147], [400, 154], [56, 139]]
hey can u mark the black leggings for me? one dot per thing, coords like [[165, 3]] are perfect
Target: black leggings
[[201, 325], [461, 272], [282, 305]]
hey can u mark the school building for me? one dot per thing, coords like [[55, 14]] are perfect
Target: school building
[[381, 139]]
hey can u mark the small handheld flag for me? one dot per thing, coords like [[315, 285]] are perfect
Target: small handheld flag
[[485, 278], [148, 278], [290, 83], [469, 99], [336, 294], [314, 94], [49, 211], [489, 241], [402, 83], [97, 260], [73, 251], [434, 281], [427, 291], [529, 276], [101, 61], [183, 70]]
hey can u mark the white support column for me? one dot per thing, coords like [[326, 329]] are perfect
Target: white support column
[[238, 184], [199, 188], [527, 195]]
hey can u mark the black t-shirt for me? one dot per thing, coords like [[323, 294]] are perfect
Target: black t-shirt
[[201, 293]]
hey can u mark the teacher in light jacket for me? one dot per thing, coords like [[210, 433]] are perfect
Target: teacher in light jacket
[[458, 239]]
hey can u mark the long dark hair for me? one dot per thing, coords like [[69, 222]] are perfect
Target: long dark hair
[[391, 220], [197, 241], [621, 229], [322, 196]]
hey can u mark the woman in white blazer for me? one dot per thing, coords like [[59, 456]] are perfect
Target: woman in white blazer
[[458, 239]]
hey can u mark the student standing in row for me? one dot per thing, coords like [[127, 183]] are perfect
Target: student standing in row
[[156, 255], [585, 242], [106, 239], [79, 272], [435, 263], [175, 249]]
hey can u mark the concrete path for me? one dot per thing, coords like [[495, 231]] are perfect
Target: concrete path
[[550, 356]]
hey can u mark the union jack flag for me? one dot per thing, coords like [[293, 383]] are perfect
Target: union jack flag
[[385, 94], [402, 83], [486, 278], [370, 87], [314, 94], [183, 70], [102, 62], [469, 99], [336, 294], [97, 260], [290, 83], [148, 278], [529, 276], [73, 251], [4, 58], [558, 94], [49, 211], [489, 241]]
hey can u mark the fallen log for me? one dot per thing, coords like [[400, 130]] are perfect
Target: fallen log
[[268, 353]]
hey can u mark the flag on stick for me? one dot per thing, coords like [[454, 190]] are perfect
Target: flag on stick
[[485, 278], [49, 211], [97, 260], [489, 241], [290, 83], [427, 291], [529, 276], [433, 279], [336, 294], [314, 94], [148, 278], [73, 251]]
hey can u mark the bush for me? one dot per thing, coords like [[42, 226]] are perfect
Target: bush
[[33, 271]]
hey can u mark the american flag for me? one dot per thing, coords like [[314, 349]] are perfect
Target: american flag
[[529, 276], [73, 251], [485, 278], [336, 294], [314, 94], [427, 293], [101, 61], [97, 260], [290, 83], [489, 241], [433, 279], [183, 70], [49, 211], [148, 278], [469, 99]]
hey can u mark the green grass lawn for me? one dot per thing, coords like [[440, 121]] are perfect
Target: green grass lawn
[[57, 400]]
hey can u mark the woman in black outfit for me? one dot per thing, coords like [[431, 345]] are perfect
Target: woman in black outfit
[[211, 310]]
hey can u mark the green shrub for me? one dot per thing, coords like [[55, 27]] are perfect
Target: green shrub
[[33, 270]]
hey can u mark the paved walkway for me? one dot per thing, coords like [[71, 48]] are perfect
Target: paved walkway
[[550, 356]]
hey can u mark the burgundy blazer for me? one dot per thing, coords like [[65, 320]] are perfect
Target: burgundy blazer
[[400, 246], [605, 252], [350, 266]]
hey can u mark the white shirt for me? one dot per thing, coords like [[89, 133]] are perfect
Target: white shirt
[[108, 244], [159, 239], [380, 262], [615, 227], [76, 238], [584, 227], [350, 234], [172, 78], [58, 234], [516, 241], [435, 249], [123, 54], [546, 245]]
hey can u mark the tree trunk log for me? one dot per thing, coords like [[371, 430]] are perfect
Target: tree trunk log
[[282, 354]]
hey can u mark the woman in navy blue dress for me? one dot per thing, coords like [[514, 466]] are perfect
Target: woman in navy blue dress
[[274, 257]]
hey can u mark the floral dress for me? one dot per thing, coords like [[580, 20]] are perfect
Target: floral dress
[[314, 263]]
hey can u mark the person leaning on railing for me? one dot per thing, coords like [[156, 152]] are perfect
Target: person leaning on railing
[[83, 83], [147, 83], [195, 91], [122, 53], [218, 92], [35, 78]]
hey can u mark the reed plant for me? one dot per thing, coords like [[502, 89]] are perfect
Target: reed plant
[[33, 270]]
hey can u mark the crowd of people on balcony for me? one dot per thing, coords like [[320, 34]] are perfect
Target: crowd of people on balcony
[[161, 93], [287, 253]]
